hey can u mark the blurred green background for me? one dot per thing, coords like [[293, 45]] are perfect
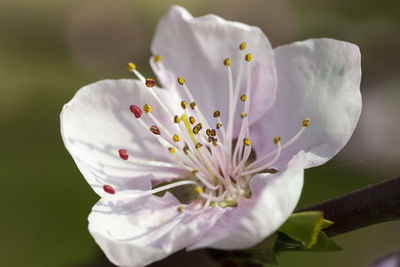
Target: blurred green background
[[49, 49]]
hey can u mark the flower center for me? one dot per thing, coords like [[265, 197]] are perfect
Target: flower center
[[217, 166]]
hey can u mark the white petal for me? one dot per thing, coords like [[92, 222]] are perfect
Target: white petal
[[195, 49], [138, 231], [97, 122], [273, 199], [317, 79]]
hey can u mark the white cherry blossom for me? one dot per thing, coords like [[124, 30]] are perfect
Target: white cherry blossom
[[225, 140]]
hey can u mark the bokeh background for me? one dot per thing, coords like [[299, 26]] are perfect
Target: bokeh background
[[49, 49]]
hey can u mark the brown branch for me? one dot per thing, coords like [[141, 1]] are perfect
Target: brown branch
[[367, 206]]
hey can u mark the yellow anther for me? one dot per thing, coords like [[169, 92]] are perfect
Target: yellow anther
[[171, 150], [277, 140], [195, 130], [248, 57], [176, 138], [157, 58], [199, 126], [198, 145], [213, 133], [246, 142], [227, 62], [184, 104], [219, 125], [131, 66], [243, 97], [147, 108], [185, 149], [243, 114], [195, 171], [242, 46], [192, 119], [180, 208], [210, 139], [192, 105], [163, 220], [177, 119], [306, 122], [181, 81], [217, 113], [208, 132], [199, 190], [214, 142]]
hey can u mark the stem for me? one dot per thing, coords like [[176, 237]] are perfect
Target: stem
[[367, 206]]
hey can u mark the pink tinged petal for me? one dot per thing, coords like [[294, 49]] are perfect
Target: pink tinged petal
[[137, 231], [195, 49], [105, 138], [274, 197], [317, 79]]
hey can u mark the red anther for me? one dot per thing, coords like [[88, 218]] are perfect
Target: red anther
[[109, 189], [150, 82], [123, 154], [136, 110], [154, 129]]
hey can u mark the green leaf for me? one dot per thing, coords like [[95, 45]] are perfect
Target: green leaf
[[324, 244], [264, 253], [304, 227], [326, 223]]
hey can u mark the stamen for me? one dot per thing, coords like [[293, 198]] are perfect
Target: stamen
[[157, 58], [227, 62], [199, 190], [154, 129], [192, 105], [243, 97], [242, 46], [269, 164], [176, 138], [177, 119], [192, 120], [150, 82], [219, 125], [131, 66], [306, 122], [288, 143], [184, 104], [216, 114], [198, 145], [196, 130], [181, 81], [109, 189], [171, 150], [146, 108], [123, 153], [136, 110], [244, 130], [248, 57], [180, 208], [246, 142], [277, 140], [185, 149]]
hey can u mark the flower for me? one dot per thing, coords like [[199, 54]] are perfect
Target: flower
[[228, 137]]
